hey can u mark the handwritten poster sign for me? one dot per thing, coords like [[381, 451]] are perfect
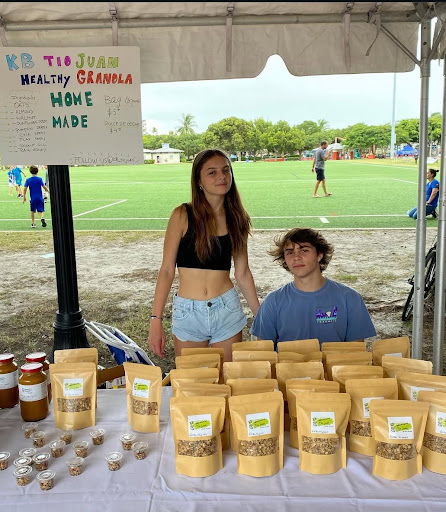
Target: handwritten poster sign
[[70, 106]]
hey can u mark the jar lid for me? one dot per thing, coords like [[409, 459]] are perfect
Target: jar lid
[[113, 456], [75, 461], [127, 437], [22, 461], [6, 358], [31, 367], [4, 456], [46, 475], [23, 471], [37, 357], [41, 457], [27, 452]]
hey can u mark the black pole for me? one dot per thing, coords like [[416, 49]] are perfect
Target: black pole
[[69, 326]]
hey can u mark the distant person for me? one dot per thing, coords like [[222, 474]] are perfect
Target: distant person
[[432, 190], [157, 159], [202, 239], [11, 181], [320, 156], [18, 179], [416, 158], [310, 306], [46, 182], [35, 185]]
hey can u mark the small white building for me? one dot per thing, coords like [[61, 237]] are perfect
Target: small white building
[[163, 155]]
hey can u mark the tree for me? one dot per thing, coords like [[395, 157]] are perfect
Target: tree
[[434, 128], [322, 125], [230, 134], [190, 143], [187, 124], [411, 127]]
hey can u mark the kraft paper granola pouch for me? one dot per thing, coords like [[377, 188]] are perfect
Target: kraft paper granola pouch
[[341, 346], [196, 424], [362, 392], [433, 451], [291, 357], [411, 383], [345, 358], [198, 361], [300, 346], [397, 431], [355, 371], [258, 423], [322, 420], [298, 371], [198, 375], [190, 351], [223, 390], [74, 394], [248, 387], [246, 370], [78, 355], [143, 384], [293, 388], [398, 347], [253, 345], [393, 365], [256, 355]]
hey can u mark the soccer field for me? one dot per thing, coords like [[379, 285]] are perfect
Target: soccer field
[[277, 195]]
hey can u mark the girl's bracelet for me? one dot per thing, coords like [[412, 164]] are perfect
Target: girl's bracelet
[[155, 316]]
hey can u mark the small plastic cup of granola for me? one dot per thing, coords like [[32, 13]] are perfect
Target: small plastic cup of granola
[[4, 460], [23, 475], [75, 466], [140, 450], [114, 460], [28, 452], [127, 440], [38, 438], [81, 448], [97, 436], [41, 461], [23, 461], [65, 434], [57, 448], [45, 479], [29, 428]]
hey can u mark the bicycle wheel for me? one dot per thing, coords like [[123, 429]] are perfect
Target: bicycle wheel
[[408, 307]]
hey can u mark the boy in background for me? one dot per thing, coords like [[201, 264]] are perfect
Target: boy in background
[[35, 185], [17, 171], [11, 181]]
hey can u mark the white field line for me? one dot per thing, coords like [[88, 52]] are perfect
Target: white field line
[[100, 208], [324, 220], [405, 181]]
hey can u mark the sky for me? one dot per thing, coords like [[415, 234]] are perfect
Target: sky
[[275, 94]]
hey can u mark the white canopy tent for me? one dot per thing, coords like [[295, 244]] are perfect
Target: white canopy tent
[[216, 40]]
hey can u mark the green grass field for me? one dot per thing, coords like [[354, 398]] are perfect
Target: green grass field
[[277, 195]]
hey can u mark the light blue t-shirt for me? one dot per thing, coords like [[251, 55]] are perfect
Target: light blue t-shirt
[[319, 155], [333, 313]]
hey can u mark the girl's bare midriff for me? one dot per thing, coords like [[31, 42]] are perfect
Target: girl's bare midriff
[[200, 284]]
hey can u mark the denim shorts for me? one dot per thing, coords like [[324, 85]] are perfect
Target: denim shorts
[[211, 320]]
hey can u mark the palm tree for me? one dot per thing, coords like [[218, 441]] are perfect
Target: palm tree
[[322, 125], [187, 124]]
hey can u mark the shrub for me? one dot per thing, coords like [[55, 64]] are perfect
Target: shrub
[[149, 161]]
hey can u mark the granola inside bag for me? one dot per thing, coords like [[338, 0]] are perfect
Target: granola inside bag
[[300, 346], [205, 375], [258, 423], [196, 424], [143, 385], [293, 389], [397, 431], [198, 389], [322, 421], [411, 383], [433, 451], [246, 370], [398, 347], [74, 394], [394, 364], [362, 392], [253, 345], [355, 371], [344, 358]]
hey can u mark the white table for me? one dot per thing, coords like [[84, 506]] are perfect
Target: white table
[[153, 485]]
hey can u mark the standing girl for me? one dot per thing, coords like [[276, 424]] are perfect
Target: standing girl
[[202, 237]]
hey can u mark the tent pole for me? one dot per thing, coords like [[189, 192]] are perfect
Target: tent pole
[[438, 335], [69, 326], [420, 244]]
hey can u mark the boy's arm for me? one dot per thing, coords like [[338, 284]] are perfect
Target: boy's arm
[[46, 188], [24, 193]]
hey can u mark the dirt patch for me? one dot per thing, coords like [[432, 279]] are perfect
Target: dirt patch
[[117, 277]]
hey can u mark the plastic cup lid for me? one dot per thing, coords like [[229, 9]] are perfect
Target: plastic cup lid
[[113, 456], [41, 457], [29, 426], [27, 452], [127, 437], [38, 434], [81, 444], [46, 475], [4, 456], [97, 432], [23, 471], [22, 461], [75, 461], [59, 443]]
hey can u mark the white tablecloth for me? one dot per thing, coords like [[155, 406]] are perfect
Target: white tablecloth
[[153, 485]]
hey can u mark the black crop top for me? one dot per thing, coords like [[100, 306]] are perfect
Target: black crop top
[[187, 256]]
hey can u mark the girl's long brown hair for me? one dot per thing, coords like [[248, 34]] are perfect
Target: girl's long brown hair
[[238, 220]]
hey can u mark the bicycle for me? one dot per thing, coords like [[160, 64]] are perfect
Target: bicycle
[[430, 264]]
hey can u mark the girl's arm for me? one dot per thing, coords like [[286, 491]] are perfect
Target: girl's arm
[[245, 280], [174, 232]]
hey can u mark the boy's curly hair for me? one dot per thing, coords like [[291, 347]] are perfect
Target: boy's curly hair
[[299, 236]]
